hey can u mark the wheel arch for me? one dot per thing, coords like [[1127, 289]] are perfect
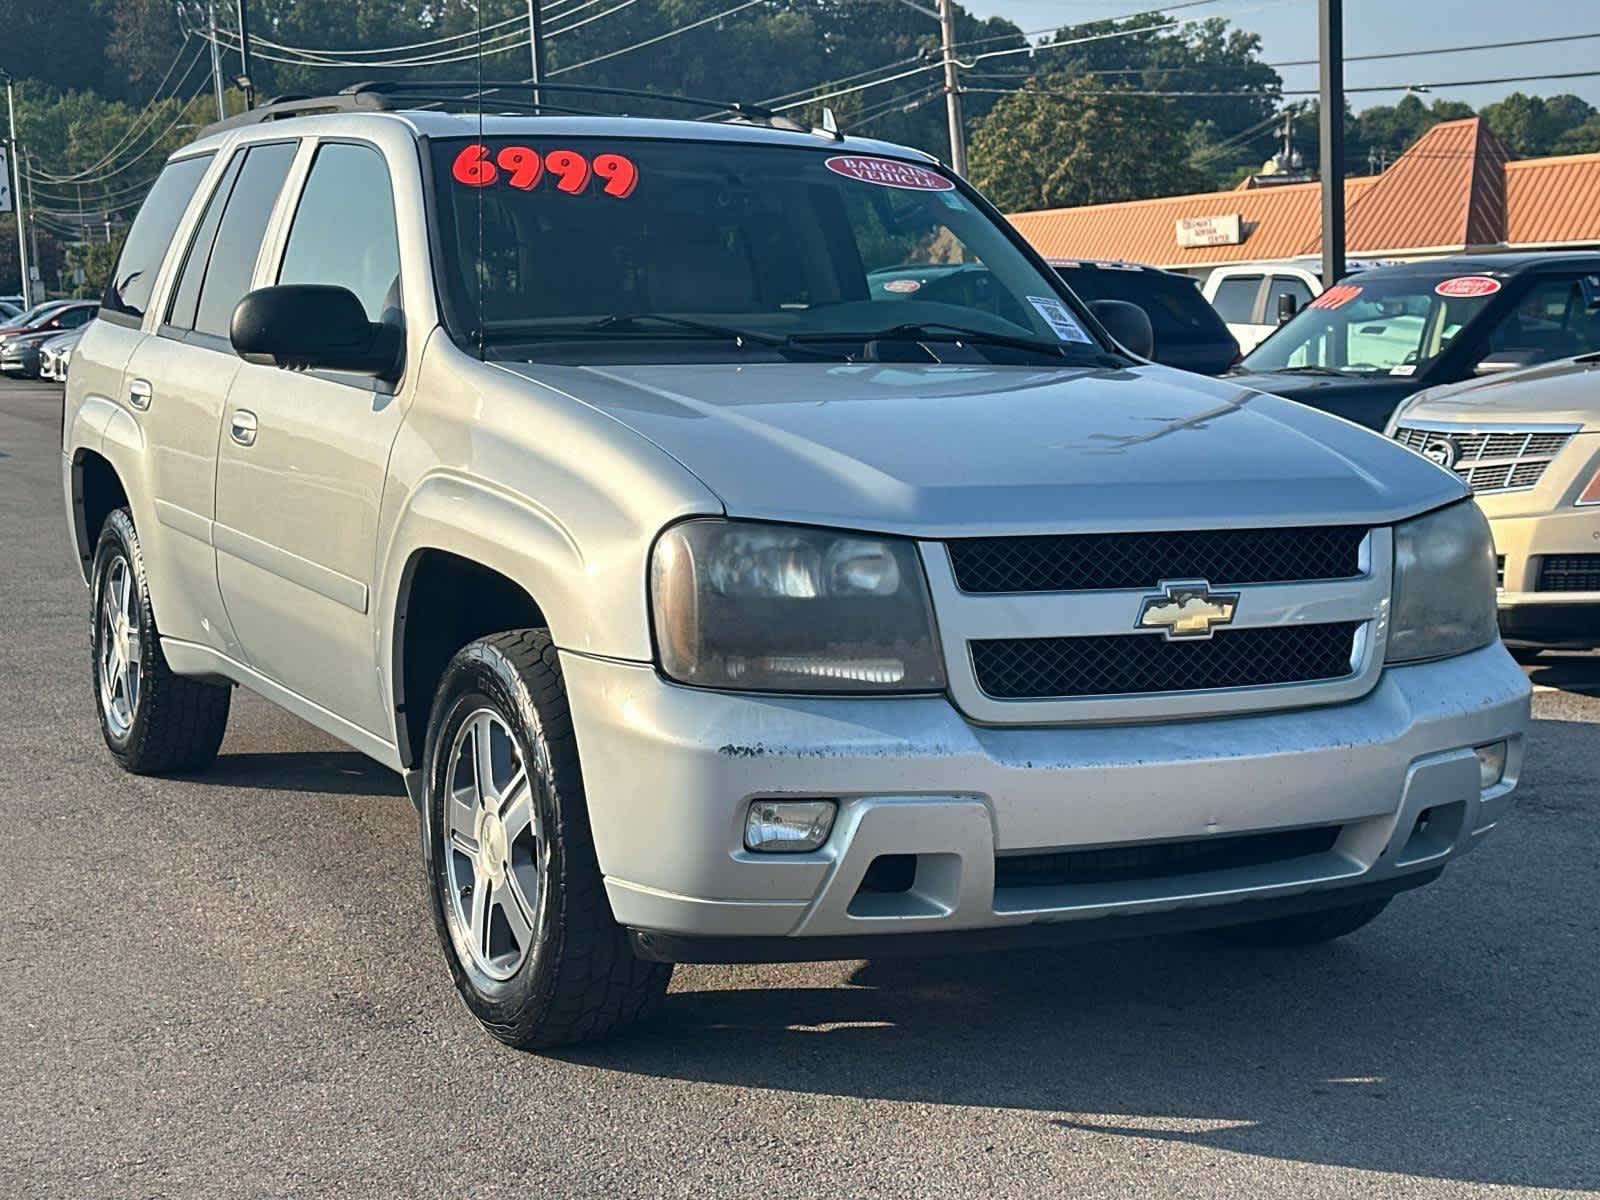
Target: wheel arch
[[97, 490]]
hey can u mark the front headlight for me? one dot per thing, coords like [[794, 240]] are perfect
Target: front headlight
[[782, 608], [1444, 585]]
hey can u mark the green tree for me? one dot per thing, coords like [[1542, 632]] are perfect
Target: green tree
[[1580, 139], [1534, 125], [1061, 143]]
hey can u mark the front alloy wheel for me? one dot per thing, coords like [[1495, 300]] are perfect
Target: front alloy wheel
[[120, 647], [495, 855]]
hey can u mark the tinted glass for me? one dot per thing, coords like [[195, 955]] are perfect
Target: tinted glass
[[186, 296], [151, 233], [75, 317], [1552, 320], [344, 228], [1371, 325], [1235, 300], [1291, 286], [244, 222], [1178, 312], [544, 240]]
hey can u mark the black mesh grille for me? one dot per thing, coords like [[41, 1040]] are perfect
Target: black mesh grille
[[1091, 561], [1570, 573], [1132, 664], [1118, 864]]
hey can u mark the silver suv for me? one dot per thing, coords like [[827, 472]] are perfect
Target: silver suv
[[725, 586]]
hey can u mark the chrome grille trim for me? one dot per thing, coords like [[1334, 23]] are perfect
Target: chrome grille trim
[[965, 617], [1493, 458]]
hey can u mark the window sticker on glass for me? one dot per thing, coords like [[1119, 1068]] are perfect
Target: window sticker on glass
[[1336, 297], [1060, 319], [1468, 285], [887, 172], [524, 168]]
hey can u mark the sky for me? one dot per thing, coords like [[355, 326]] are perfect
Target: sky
[[1288, 30]]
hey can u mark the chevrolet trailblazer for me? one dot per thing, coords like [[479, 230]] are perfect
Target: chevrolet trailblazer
[[717, 608]]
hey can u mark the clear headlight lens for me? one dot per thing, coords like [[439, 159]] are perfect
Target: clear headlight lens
[[783, 608], [1444, 587]]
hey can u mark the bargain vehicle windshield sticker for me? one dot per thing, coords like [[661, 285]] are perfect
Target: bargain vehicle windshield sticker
[[903, 285], [887, 172], [1060, 319], [1336, 297], [1468, 285], [524, 168]]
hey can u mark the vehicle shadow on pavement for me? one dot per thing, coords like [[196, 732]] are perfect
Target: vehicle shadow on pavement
[[341, 772], [1454, 1038], [1575, 673]]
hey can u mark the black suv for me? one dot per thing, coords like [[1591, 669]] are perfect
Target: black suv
[[1377, 337], [1188, 332]]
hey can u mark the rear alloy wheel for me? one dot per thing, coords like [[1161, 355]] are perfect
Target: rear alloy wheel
[[517, 895], [152, 720]]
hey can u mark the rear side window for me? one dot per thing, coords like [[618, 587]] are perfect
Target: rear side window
[[1291, 286], [344, 228], [1235, 300], [128, 293], [186, 296], [239, 234]]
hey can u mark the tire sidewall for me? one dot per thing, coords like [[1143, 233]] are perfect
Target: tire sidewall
[[118, 538], [481, 677]]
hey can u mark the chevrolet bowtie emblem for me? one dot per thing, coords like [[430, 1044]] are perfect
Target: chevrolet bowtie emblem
[[1187, 610]]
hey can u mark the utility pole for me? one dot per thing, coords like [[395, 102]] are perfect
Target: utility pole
[[16, 199], [535, 46], [244, 58], [952, 87], [216, 60], [1330, 45], [33, 230]]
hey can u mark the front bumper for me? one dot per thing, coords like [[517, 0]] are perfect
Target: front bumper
[[1529, 615], [670, 771]]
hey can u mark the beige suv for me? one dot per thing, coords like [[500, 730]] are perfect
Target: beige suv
[[718, 605], [1528, 444]]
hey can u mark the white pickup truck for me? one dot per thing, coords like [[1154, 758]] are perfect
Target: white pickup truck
[[1249, 296]]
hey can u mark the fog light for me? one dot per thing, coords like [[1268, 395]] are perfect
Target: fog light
[[788, 826], [1491, 764]]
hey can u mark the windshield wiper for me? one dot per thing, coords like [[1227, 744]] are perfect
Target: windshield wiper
[[634, 323], [935, 331], [1307, 371]]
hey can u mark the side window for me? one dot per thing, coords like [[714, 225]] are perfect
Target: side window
[[74, 317], [128, 292], [1235, 300], [1552, 320], [186, 295], [239, 234], [1291, 285], [344, 228]]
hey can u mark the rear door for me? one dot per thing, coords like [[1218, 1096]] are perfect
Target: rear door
[[304, 457], [183, 374]]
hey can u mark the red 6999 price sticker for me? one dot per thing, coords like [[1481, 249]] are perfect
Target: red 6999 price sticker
[[525, 169]]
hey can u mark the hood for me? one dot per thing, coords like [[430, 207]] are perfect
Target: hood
[[1367, 401], [938, 451], [1558, 393]]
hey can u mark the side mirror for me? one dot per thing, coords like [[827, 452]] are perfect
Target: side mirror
[[1287, 307], [1128, 324], [313, 326]]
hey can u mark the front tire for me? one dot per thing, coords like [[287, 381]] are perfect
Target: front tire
[[1305, 929], [152, 720], [516, 891]]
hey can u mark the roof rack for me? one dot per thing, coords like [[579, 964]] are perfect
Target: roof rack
[[499, 95]]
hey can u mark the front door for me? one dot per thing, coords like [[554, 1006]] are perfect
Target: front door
[[303, 458]]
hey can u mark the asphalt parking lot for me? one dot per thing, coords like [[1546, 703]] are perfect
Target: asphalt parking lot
[[227, 985]]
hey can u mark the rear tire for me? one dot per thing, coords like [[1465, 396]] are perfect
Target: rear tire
[[152, 720], [1305, 929], [516, 892]]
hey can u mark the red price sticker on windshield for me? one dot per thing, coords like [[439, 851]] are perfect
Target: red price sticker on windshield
[[1336, 297], [524, 168], [889, 172], [1468, 285]]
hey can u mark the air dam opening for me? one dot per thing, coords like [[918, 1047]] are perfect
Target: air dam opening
[[1160, 860]]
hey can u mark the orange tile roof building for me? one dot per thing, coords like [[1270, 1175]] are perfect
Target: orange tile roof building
[[1458, 188]]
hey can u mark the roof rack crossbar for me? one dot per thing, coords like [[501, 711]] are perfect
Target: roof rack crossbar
[[489, 87]]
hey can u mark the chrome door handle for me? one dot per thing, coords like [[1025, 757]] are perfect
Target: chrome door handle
[[139, 393], [243, 427]]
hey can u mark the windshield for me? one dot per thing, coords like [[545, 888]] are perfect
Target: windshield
[[1372, 325], [681, 247]]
